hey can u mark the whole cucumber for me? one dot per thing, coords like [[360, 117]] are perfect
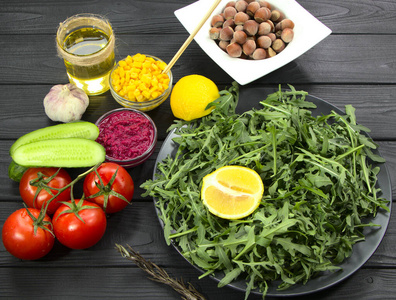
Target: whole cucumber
[[79, 129], [62, 152]]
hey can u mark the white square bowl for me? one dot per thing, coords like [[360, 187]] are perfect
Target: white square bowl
[[308, 31]]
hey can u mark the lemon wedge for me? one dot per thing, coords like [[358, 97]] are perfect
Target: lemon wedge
[[232, 192]]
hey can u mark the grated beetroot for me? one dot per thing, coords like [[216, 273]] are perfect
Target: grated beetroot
[[125, 135]]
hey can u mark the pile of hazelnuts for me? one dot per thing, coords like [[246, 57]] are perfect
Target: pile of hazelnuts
[[251, 29]]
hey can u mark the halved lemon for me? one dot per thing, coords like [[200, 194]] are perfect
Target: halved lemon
[[232, 192]]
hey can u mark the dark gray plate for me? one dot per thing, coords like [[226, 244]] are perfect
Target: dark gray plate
[[361, 251]]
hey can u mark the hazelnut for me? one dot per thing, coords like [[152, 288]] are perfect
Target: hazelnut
[[277, 16], [271, 24], [278, 34], [278, 45], [272, 36], [286, 23], [287, 35], [250, 1], [264, 28], [234, 50], [240, 37], [223, 44], [262, 14], [217, 21], [226, 34], [264, 3], [270, 52], [249, 47], [240, 18], [214, 33], [238, 28], [252, 8], [229, 12], [264, 42], [229, 23], [259, 53], [250, 27], [241, 5], [230, 4]]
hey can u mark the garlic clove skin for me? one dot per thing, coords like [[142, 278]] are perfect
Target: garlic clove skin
[[65, 103]]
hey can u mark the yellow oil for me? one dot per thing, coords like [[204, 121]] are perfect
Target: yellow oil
[[94, 79]]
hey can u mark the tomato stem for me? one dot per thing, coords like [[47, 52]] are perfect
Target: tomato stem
[[44, 185]]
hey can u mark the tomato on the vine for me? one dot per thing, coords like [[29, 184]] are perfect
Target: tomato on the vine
[[38, 186], [112, 189], [27, 234], [79, 224]]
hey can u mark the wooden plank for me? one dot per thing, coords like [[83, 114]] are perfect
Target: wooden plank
[[129, 283], [142, 17], [375, 106], [324, 64]]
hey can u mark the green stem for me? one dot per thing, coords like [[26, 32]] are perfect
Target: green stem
[[71, 184], [183, 233]]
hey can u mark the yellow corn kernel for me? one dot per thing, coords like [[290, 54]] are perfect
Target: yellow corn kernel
[[136, 92], [146, 94], [137, 64], [146, 64], [131, 96], [161, 65], [122, 72]]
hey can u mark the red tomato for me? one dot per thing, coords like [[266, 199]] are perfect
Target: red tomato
[[77, 233], [28, 189], [106, 194], [20, 239]]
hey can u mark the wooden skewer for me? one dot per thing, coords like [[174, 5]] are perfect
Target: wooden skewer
[[191, 37]]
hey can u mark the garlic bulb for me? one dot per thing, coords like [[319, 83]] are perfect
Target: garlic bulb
[[65, 103]]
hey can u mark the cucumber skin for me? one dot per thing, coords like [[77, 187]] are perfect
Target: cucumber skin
[[61, 153], [15, 171], [78, 129]]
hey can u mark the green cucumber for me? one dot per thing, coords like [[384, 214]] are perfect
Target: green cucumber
[[16, 171], [79, 129], [62, 153]]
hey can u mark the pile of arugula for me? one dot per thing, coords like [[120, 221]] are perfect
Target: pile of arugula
[[319, 187]]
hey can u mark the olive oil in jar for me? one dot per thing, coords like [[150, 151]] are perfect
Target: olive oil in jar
[[91, 72]]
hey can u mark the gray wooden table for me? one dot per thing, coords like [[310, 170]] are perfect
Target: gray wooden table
[[355, 65]]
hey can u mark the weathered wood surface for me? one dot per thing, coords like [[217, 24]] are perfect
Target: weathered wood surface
[[355, 65]]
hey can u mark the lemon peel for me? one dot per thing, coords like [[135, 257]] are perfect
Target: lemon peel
[[191, 95]]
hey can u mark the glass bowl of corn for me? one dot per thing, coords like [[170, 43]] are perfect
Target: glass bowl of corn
[[138, 82]]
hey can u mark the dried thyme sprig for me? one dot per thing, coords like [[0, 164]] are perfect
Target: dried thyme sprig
[[160, 275]]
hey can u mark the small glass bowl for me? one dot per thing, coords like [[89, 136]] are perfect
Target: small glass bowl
[[130, 162], [144, 105]]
